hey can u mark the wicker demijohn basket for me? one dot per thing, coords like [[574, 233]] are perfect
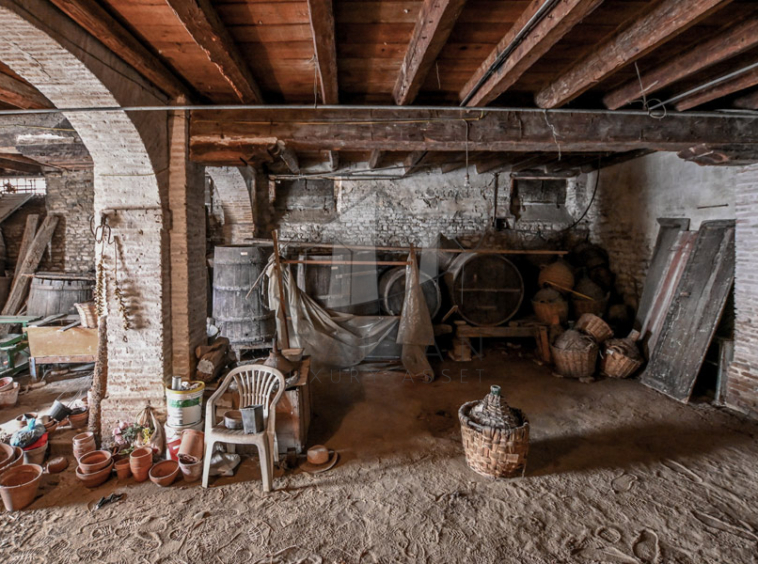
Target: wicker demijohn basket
[[595, 327], [596, 307], [620, 358], [575, 363], [491, 451]]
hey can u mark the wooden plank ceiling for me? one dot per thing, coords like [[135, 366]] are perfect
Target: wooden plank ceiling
[[590, 54]]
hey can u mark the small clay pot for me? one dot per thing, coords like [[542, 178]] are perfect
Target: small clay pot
[[164, 473], [16, 459], [233, 419], [79, 419], [83, 439], [6, 454], [193, 443], [142, 474], [57, 465], [94, 461], [19, 485], [141, 458], [123, 469], [190, 467], [95, 479]]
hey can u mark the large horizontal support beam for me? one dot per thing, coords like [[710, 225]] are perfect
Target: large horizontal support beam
[[226, 136], [321, 16], [663, 21]]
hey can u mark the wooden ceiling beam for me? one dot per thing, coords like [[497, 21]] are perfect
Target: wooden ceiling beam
[[321, 17], [726, 88], [538, 41], [280, 150], [663, 21], [497, 162], [203, 23], [375, 159], [20, 166], [433, 27], [99, 23], [728, 43], [227, 136], [21, 95]]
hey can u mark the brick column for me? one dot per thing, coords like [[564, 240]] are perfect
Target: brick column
[[186, 199], [742, 385]]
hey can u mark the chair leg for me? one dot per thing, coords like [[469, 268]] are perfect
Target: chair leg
[[267, 465], [207, 462], [273, 445]]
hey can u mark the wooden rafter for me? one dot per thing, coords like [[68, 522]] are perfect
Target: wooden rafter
[[99, 23], [321, 18], [433, 26], [665, 20], [413, 161], [729, 42], [544, 35], [726, 88], [225, 137], [375, 159], [21, 95], [19, 163], [203, 23]]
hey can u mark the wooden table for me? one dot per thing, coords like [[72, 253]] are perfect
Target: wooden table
[[464, 333], [50, 345]]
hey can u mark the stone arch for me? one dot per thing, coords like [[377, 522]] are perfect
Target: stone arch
[[235, 188], [131, 158]]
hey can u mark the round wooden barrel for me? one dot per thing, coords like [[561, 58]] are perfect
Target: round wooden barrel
[[392, 291], [53, 293], [487, 288], [341, 287], [243, 319]]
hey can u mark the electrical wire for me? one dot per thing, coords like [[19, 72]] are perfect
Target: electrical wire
[[592, 200]]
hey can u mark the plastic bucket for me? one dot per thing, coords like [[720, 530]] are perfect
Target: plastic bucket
[[59, 411], [185, 407]]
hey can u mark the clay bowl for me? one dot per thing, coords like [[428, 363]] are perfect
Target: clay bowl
[[49, 423], [6, 383], [94, 461], [19, 485], [57, 465], [141, 458], [84, 438], [233, 419], [164, 473], [6, 454], [96, 478], [79, 419], [123, 470]]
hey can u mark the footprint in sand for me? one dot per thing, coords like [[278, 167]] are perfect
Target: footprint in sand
[[646, 547], [623, 483]]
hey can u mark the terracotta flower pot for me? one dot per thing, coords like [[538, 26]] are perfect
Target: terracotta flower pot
[[193, 443], [123, 469], [16, 459], [80, 419], [95, 479], [141, 474], [94, 461], [141, 458], [191, 468], [19, 485], [6, 454], [81, 438], [164, 473]]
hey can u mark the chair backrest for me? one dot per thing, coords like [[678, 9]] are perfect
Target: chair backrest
[[256, 384]]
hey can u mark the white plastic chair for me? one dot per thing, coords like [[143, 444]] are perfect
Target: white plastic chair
[[256, 384]]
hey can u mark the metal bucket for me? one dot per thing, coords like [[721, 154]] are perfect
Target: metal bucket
[[252, 419]]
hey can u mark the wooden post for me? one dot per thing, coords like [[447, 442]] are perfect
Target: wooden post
[[282, 298]]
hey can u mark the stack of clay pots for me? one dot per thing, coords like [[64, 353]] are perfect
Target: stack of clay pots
[[190, 455], [123, 468], [10, 457], [84, 443], [95, 468], [140, 462]]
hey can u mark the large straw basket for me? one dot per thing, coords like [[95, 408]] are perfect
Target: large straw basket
[[575, 363], [596, 307], [595, 327], [549, 311], [492, 451], [615, 363]]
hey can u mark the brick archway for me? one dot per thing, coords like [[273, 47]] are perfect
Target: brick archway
[[131, 178]]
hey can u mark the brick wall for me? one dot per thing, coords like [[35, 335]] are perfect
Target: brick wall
[[71, 195], [742, 385], [233, 188]]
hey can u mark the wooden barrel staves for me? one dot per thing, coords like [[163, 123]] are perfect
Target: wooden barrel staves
[[52, 293], [487, 288], [392, 291], [243, 319]]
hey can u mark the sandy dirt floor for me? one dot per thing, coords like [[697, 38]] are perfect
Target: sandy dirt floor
[[617, 473]]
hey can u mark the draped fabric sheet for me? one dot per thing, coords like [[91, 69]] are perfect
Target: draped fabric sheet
[[342, 340]]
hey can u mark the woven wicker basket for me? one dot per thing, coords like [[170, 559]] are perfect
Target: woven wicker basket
[[547, 311], [575, 363], [491, 451], [615, 364], [87, 314], [595, 307], [595, 327]]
